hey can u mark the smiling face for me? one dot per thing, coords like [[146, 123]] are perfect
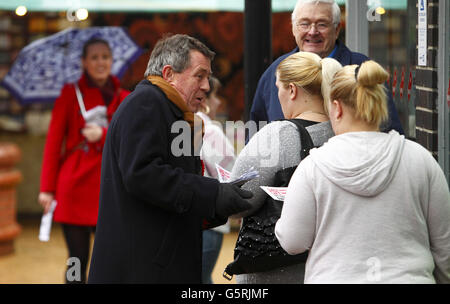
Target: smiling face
[[313, 28], [192, 83], [97, 62]]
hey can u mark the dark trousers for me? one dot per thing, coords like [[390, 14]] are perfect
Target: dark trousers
[[78, 241], [212, 243]]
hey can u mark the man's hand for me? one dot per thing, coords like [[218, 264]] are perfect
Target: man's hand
[[92, 132], [231, 200]]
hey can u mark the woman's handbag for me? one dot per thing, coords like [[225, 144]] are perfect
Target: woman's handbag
[[257, 248]]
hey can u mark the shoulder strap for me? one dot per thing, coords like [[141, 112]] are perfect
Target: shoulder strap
[[305, 138], [80, 100]]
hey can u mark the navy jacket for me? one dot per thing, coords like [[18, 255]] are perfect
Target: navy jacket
[[266, 106], [152, 203]]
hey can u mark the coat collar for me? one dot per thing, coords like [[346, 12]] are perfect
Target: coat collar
[[175, 110], [343, 53]]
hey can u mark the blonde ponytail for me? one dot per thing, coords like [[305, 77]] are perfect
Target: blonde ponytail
[[363, 91], [329, 68], [310, 72], [302, 69]]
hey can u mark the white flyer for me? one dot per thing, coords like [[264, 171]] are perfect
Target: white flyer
[[223, 175], [46, 224], [277, 193]]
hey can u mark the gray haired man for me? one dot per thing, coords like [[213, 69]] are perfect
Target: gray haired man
[[153, 203], [315, 27]]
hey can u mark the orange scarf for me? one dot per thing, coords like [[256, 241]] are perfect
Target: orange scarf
[[177, 100]]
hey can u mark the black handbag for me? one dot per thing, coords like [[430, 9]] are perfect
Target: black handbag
[[257, 248]]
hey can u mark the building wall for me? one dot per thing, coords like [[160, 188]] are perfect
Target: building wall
[[426, 84]]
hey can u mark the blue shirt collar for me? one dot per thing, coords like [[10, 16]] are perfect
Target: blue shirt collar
[[333, 52]]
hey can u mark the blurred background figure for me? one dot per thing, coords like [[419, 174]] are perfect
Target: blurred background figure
[[374, 205], [216, 149], [73, 150]]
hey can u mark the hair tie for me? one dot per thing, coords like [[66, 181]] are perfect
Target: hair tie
[[357, 71]]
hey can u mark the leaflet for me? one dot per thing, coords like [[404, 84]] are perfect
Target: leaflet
[[277, 193], [46, 224], [225, 176]]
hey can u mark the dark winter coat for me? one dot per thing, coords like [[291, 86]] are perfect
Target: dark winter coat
[[152, 203], [266, 106]]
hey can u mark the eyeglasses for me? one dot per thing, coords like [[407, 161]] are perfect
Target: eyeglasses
[[321, 26]]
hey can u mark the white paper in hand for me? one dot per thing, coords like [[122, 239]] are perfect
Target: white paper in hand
[[225, 176], [277, 193], [245, 177], [46, 224], [222, 174]]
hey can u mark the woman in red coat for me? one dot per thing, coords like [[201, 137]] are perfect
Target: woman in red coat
[[73, 150]]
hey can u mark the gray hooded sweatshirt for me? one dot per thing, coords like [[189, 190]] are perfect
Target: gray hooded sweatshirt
[[372, 208]]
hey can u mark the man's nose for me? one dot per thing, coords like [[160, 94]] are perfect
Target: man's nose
[[204, 86], [313, 29]]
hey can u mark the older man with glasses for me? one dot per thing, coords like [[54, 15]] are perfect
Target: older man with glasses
[[316, 27]]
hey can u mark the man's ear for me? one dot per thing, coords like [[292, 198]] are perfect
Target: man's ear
[[167, 73]]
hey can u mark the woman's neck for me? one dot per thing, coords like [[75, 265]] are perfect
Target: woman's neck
[[100, 83], [312, 113], [310, 108], [355, 126], [96, 82], [313, 116]]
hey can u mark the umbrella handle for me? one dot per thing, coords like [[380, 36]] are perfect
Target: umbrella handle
[[80, 101]]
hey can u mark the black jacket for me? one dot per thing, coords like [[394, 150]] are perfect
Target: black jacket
[[152, 204]]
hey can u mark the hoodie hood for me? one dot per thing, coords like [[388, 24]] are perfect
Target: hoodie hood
[[362, 163]]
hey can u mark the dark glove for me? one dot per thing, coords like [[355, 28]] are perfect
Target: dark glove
[[231, 200]]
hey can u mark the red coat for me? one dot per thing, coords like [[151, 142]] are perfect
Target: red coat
[[69, 171]]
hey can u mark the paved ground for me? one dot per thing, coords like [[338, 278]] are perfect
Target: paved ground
[[35, 262]]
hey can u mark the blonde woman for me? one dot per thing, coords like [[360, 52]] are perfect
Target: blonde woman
[[302, 80], [370, 207]]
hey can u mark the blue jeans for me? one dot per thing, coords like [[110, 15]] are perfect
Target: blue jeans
[[212, 242]]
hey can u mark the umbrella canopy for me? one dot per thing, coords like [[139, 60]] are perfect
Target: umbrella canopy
[[44, 66]]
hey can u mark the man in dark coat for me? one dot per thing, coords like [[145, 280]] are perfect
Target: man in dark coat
[[154, 201], [315, 26]]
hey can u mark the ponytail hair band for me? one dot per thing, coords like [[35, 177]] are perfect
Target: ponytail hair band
[[356, 72]]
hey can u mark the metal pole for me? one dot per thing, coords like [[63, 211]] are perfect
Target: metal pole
[[258, 46], [443, 87], [357, 25]]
